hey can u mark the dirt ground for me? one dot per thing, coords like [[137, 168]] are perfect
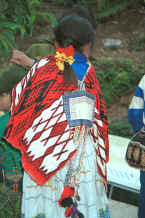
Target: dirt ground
[[126, 26]]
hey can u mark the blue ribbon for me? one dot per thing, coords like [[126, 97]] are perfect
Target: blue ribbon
[[80, 65]]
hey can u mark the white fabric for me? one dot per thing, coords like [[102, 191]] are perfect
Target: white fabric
[[43, 199], [22, 84], [81, 108], [118, 171], [142, 83], [136, 103], [38, 146]]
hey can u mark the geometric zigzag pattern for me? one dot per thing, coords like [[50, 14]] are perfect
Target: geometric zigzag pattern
[[38, 125], [45, 137]]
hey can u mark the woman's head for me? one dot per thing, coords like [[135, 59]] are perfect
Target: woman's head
[[74, 30]]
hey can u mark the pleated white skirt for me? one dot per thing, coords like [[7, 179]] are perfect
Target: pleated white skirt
[[42, 201]]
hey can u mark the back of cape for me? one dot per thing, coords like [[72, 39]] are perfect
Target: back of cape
[[38, 125]]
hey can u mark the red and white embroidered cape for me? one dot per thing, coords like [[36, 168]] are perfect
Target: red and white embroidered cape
[[38, 125]]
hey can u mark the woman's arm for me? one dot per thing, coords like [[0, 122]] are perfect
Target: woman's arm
[[19, 57], [5, 101], [136, 108]]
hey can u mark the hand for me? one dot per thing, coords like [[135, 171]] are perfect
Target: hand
[[5, 101], [19, 57]]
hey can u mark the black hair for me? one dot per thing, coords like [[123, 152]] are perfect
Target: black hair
[[76, 31]]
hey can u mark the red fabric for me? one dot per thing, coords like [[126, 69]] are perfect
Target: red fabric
[[68, 211], [37, 92], [92, 86], [68, 192]]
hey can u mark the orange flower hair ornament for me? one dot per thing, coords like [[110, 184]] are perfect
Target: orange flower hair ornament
[[64, 55]]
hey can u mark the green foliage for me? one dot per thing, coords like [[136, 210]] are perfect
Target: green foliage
[[9, 202], [7, 38], [15, 16], [111, 7], [106, 8], [138, 44], [64, 2], [19, 17], [20, 14], [10, 76], [72, 2], [30, 18], [10, 158], [121, 128], [117, 77], [46, 17]]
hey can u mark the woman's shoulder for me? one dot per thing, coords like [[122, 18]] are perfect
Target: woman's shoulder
[[47, 59], [91, 71], [91, 78], [46, 63]]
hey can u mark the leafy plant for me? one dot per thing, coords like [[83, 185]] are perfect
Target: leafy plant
[[72, 2], [121, 128], [11, 158], [138, 44], [106, 8], [14, 16], [111, 7], [10, 196], [7, 36], [18, 17], [117, 77], [64, 2], [9, 202], [48, 18]]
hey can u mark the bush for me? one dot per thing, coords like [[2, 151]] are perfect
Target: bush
[[138, 44], [19, 17], [9, 202], [117, 77], [15, 16], [121, 128], [105, 8], [112, 7]]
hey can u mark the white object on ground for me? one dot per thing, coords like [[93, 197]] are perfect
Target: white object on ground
[[120, 174]]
